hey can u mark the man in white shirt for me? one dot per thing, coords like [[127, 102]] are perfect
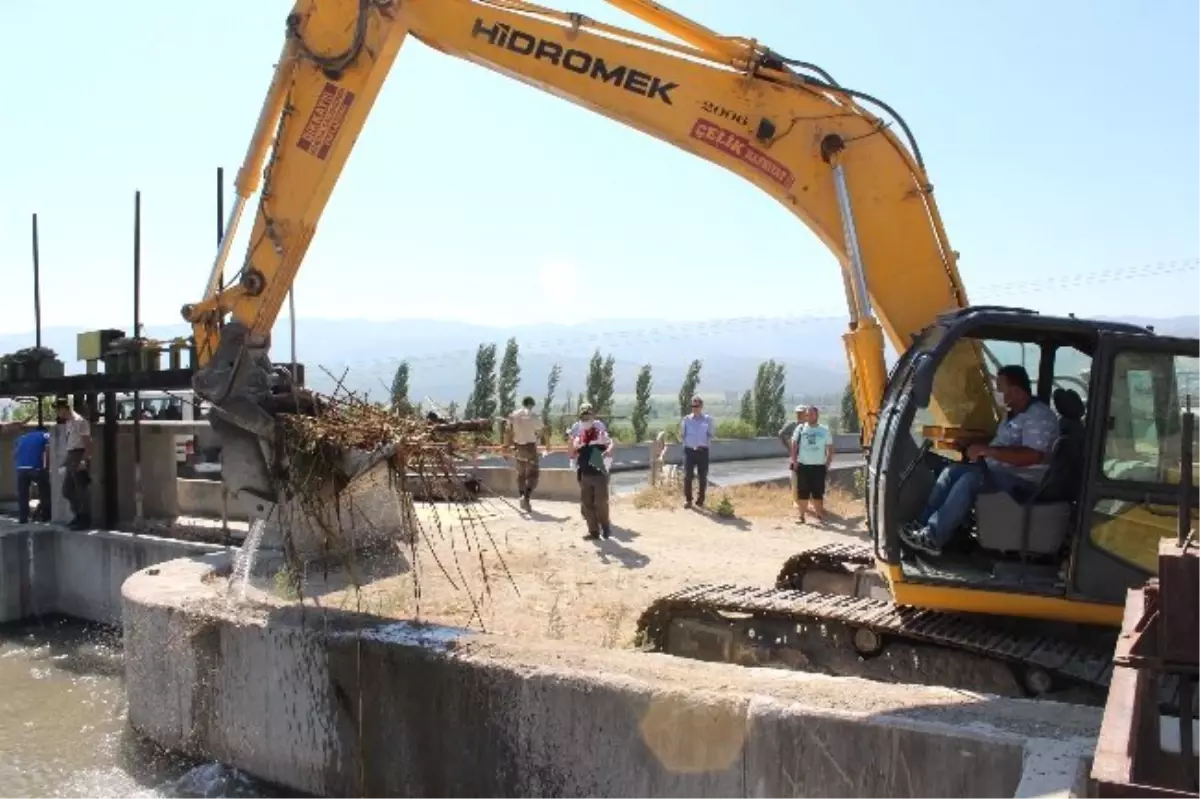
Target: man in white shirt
[[696, 431], [77, 442], [524, 428]]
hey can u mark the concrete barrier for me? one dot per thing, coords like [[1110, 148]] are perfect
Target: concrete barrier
[[332, 704], [48, 569], [157, 469], [553, 484], [628, 457]]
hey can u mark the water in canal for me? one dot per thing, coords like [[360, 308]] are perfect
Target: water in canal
[[63, 725]]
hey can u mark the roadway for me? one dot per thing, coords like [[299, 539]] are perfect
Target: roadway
[[731, 473]]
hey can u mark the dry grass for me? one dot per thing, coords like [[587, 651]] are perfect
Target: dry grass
[[749, 502]]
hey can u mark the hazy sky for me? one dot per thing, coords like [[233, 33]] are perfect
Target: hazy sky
[[1061, 138]]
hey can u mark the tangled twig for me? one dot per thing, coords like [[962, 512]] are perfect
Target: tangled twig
[[423, 460]]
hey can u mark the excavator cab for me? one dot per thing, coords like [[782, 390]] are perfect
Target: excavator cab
[[1028, 599], [1067, 547]]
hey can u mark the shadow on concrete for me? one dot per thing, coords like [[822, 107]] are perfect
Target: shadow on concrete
[[610, 550], [623, 533], [843, 524], [538, 516]]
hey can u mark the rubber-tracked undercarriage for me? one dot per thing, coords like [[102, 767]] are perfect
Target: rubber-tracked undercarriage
[[830, 612]]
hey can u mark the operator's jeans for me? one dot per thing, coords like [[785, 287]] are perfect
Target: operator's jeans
[[955, 492]]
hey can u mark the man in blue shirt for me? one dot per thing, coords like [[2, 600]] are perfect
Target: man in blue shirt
[[29, 457], [696, 432]]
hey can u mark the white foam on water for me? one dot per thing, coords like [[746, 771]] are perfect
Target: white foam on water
[[402, 632]]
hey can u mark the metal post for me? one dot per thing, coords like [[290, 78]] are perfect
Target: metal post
[[1188, 424], [37, 305], [109, 464], [137, 334]]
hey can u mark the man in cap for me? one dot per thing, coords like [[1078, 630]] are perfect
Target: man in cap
[[589, 447], [785, 437], [524, 427], [77, 442]]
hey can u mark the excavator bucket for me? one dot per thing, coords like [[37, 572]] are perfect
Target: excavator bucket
[[361, 507]]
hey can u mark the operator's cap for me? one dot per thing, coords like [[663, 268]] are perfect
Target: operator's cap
[[801, 408], [585, 408], [62, 402]]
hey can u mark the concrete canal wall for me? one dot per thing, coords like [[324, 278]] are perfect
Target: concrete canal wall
[[333, 704], [48, 569]]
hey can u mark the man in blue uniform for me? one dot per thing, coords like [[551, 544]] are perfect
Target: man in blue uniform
[[29, 457]]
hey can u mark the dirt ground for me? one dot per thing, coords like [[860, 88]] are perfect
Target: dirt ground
[[563, 587]]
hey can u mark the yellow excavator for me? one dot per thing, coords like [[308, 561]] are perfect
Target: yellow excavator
[[1036, 591]]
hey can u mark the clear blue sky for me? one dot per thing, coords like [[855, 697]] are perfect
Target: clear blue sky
[[1061, 138]]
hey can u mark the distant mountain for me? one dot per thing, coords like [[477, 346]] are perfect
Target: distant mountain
[[441, 354]]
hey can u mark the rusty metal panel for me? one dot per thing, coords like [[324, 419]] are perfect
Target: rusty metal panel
[[1179, 610]]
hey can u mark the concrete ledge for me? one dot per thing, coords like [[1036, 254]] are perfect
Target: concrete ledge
[[333, 704], [629, 457], [553, 484], [48, 569]]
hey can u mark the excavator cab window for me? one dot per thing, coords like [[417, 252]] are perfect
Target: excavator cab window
[[1141, 445]]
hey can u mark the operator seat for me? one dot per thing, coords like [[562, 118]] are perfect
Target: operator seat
[[1036, 520]]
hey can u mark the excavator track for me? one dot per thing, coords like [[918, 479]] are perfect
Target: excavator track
[[830, 557], [774, 617], [1075, 663]]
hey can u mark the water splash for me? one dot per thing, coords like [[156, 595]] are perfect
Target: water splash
[[239, 580]]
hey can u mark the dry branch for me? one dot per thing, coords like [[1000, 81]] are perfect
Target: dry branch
[[334, 439]]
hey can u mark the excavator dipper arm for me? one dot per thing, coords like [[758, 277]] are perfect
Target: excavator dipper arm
[[784, 126]]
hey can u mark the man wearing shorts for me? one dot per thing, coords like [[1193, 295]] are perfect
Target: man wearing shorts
[[785, 437], [812, 452]]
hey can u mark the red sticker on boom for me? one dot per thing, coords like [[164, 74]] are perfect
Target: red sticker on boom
[[741, 148], [325, 120]]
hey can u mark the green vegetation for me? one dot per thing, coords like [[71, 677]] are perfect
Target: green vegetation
[[769, 387], [734, 428], [481, 404], [641, 403], [691, 382], [548, 400], [510, 376], [631, 418], [849, 419], [601, 384], [400, 403]]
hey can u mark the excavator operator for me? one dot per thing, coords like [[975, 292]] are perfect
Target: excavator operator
[[1014, 460]]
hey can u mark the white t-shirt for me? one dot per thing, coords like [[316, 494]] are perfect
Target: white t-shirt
[[77, 429], [526, 424]]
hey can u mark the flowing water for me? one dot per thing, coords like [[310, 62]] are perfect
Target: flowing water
[[63, 725], [243, 561]]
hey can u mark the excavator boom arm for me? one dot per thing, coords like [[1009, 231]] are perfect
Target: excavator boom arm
[[800, 138]]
